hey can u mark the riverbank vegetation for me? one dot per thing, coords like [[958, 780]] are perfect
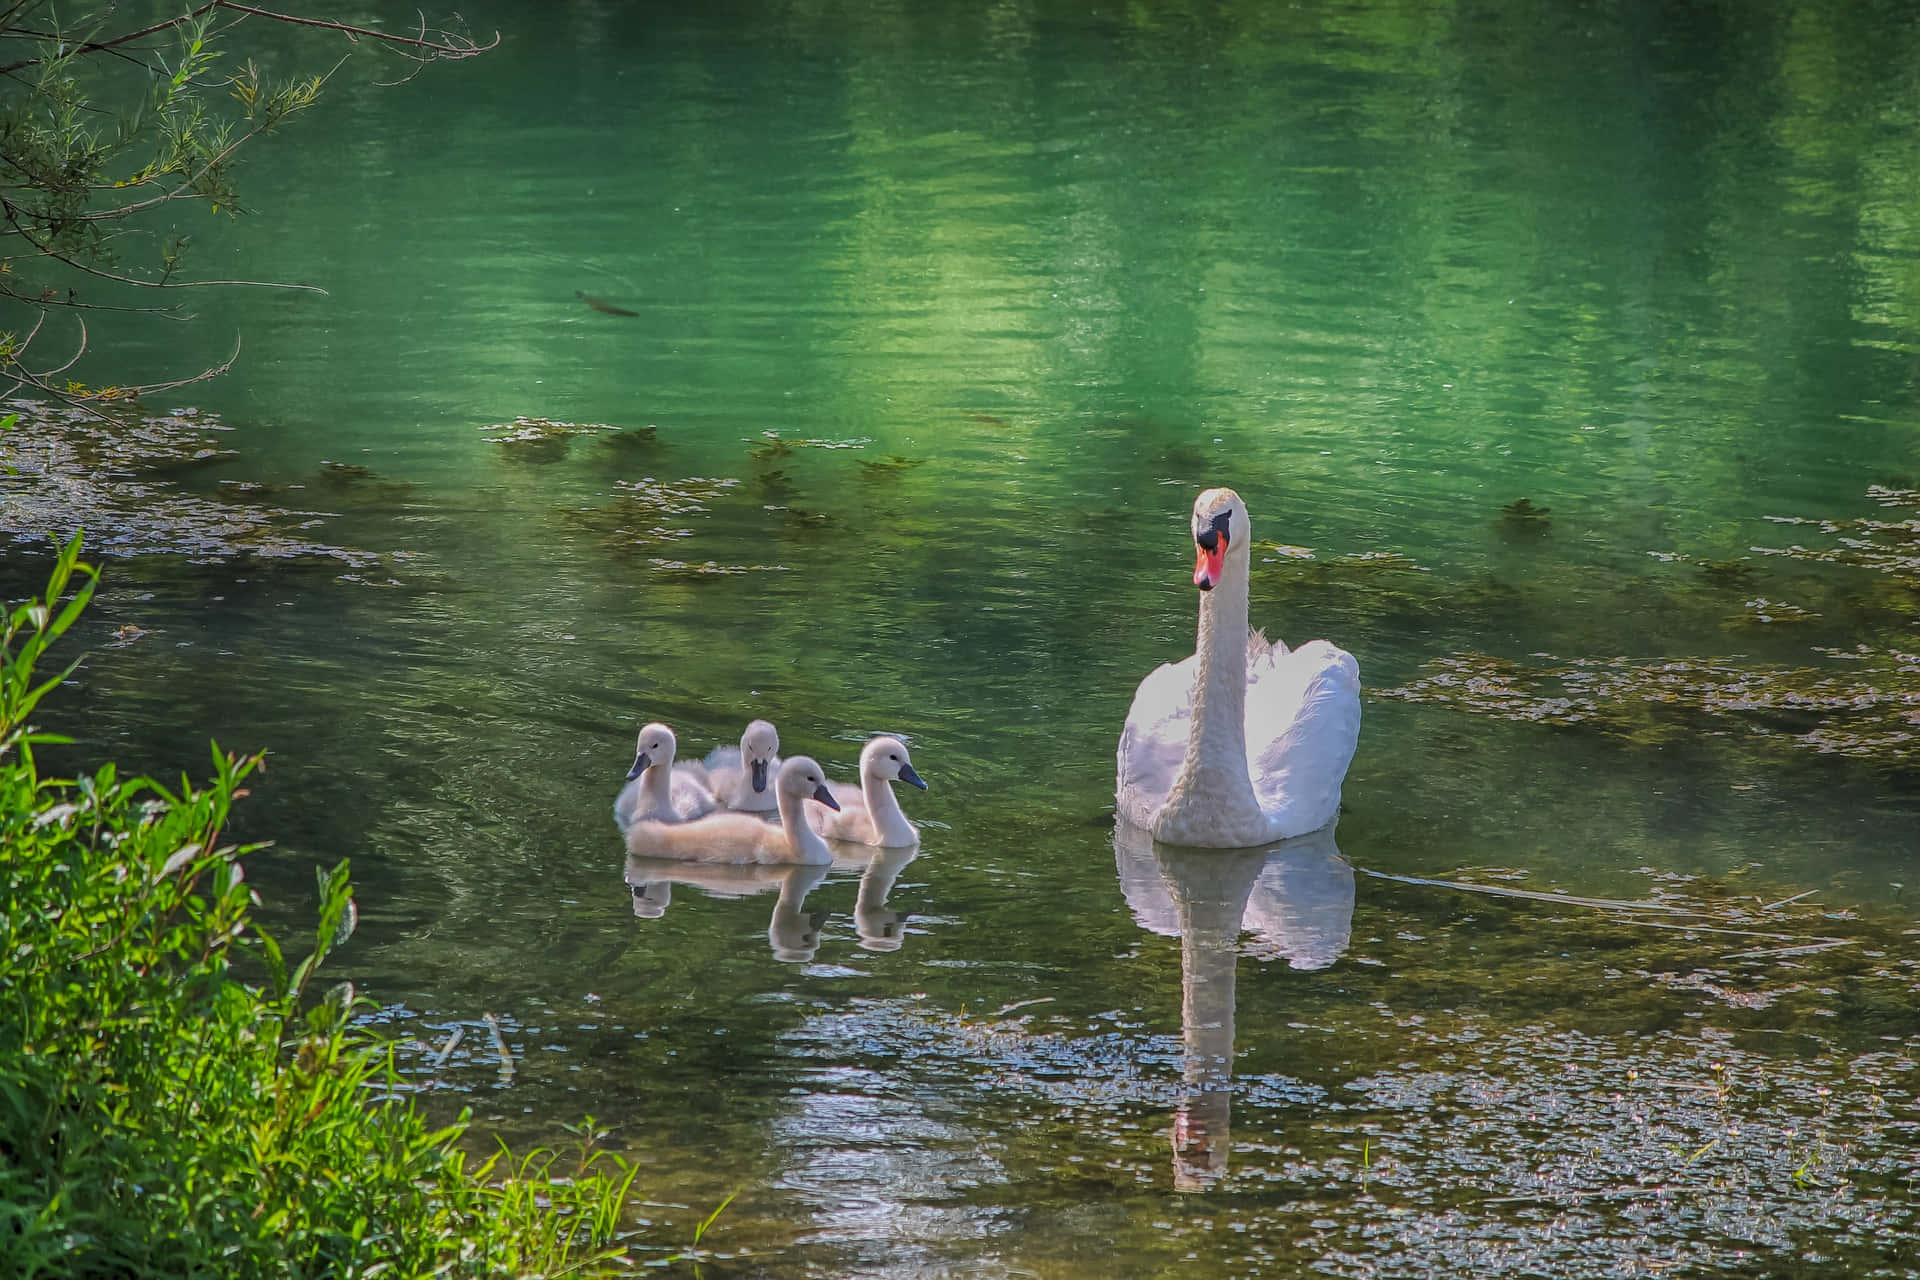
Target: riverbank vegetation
[[177, 1098]]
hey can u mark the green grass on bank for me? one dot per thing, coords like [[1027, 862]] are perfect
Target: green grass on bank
[[161, 1117]]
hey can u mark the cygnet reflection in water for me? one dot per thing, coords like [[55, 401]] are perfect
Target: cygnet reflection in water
[[793, 933], [1294, 897], [881, 928]]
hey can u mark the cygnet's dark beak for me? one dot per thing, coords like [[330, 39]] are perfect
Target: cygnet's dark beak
[[759, 775], [825, 796], [908, 775], [641, 763]]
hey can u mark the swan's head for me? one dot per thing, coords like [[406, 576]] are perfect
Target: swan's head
[[886, 759], [802, 779], [656, 748], [759, 745], [1219, 526]]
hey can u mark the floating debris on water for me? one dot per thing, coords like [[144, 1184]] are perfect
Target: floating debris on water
[[64, 468], [774, 445], [710, 568], [1763, 612], [1870, 710], [523, 430], [542, 439], [646, 511], [1885, 546]]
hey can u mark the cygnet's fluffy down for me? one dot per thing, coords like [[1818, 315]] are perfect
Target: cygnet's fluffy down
[[742, 777], [727, 836], [655, 790], [870, 813]]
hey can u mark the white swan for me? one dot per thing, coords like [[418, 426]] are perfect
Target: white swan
[[742, 777], [726, 836], [1244, 742], [655, 789], [870, 813]]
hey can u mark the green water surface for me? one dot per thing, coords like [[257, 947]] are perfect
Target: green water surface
[[1523, 330]]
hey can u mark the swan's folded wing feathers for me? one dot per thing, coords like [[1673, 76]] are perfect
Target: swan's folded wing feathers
[[1154, 740], [691, 799], [1303, 723]]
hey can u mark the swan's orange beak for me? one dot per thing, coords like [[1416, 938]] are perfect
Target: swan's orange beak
[[1206, 564]]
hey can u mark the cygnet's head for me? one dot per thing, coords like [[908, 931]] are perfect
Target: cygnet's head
[[802, 779], [886, 759], [656, 748], [759, 745], [1219, 526]]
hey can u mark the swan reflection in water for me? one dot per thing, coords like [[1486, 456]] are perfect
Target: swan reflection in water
[[793, 932], [1294, 898]]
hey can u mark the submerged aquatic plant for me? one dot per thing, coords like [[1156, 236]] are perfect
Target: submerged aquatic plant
[[178, 1097]]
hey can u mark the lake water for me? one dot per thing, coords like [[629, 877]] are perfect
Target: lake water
[[1566, 357]]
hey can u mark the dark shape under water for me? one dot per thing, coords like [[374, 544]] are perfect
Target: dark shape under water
[[1521, 516], [602, 305]]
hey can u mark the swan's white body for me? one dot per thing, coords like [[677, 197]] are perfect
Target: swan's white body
[[1245, 742], [657, 791], [871, 813], [727, 836], [730, 773]]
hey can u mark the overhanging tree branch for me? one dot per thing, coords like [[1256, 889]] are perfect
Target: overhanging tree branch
[[67, 178]]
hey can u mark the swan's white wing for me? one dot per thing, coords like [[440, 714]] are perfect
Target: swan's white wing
[[1154, 741], [723, 758], [690, 798], [1303, 722], [625, 803]]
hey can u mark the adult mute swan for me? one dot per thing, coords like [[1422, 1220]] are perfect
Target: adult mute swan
[[727, 836], [655, 789], [871, 814], [742, 777], [1244, 742]]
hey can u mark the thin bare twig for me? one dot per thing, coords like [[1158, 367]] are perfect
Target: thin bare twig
[[443, 48], [50, 252]]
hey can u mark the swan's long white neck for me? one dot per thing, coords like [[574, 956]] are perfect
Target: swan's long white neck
[[890, 825], [1212, 797], [805, 842], [656, 789]]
